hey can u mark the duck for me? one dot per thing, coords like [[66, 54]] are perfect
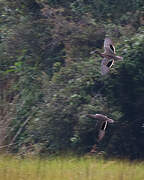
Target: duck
[[109, 56], [103, 121]]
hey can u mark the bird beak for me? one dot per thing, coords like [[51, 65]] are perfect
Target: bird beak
[[92, 52], [111, 121]]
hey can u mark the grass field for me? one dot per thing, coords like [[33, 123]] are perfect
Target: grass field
[[70, 168]]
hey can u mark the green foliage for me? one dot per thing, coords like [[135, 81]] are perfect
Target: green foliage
[[52, 81], [118, 11], [65, 100], [127, 92]]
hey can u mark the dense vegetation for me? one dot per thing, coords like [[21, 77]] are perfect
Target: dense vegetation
[[49, 80]]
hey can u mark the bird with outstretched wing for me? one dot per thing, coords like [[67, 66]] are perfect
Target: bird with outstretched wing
[[109, 56], [103, 121]]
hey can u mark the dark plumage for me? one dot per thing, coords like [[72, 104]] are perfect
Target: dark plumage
[[103, 120], [109, 56]]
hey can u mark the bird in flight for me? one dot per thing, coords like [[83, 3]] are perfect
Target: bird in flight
[[109, 56], [103, 121]]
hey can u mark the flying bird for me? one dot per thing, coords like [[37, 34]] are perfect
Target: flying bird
[[103, 120], [109, 56]]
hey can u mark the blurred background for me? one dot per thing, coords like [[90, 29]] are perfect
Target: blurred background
[[49, 80]]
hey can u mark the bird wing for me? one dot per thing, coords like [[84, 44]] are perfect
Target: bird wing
[[101, 117], [101, 135], [102, 130], [104, 67], [110, 63], [103, 125], [109, 46], [98, 116], [91, 115]]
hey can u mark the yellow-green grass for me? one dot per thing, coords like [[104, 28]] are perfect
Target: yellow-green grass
[[69, 168]]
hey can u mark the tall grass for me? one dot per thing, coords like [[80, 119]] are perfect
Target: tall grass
[[68, 168]]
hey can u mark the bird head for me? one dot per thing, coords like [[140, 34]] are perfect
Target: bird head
[[93, 52], [110, 120]]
